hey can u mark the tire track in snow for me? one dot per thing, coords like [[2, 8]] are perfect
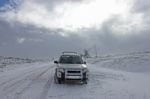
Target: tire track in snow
[[47, 86], [19, 81], [20, 75], [18, 94], [12, 90], [23, 77], [11, 86]]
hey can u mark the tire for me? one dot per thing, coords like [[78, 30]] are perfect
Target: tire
[[55, 79], [85, 81], [59, 81], [85, 78]]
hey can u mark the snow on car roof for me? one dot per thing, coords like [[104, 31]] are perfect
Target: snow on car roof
[[70, 53]]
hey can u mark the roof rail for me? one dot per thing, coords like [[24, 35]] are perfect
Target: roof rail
[[68, 52]]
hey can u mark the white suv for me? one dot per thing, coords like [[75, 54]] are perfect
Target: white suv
[[70, 67]]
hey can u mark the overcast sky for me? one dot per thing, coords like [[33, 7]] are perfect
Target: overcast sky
[[45, 28]]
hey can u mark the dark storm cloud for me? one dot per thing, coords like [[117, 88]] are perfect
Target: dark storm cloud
[[142, 6], [109, 42], [10, 32], [38, 42]]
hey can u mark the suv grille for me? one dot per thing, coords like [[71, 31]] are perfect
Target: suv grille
[[73, 71]]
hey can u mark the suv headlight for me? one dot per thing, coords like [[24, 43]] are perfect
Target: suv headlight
[[61, 70]]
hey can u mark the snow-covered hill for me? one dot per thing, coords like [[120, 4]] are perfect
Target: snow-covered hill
[[125, 76], [9, 62], [132, 62]]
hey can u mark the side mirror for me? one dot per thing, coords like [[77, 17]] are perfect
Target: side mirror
[[84, 62], [56, 62]]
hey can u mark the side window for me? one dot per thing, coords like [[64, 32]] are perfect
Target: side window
[[62, 60]]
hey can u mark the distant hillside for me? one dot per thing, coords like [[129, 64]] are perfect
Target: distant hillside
[[131, 62], [4, 61]]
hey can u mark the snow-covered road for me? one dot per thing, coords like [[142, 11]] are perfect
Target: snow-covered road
[[35, 81], [28, 82]]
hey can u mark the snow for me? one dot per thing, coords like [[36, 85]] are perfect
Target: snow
[[125, 76]]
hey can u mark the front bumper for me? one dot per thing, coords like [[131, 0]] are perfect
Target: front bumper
[[73, 77], [72, 74]]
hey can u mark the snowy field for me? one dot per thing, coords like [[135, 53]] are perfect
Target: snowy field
[[125, 76]]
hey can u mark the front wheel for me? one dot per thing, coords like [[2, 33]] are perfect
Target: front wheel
[[84, 81], [55, 79], [59, 81]]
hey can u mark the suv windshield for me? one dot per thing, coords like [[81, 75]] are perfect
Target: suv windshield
[[70, 59]]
